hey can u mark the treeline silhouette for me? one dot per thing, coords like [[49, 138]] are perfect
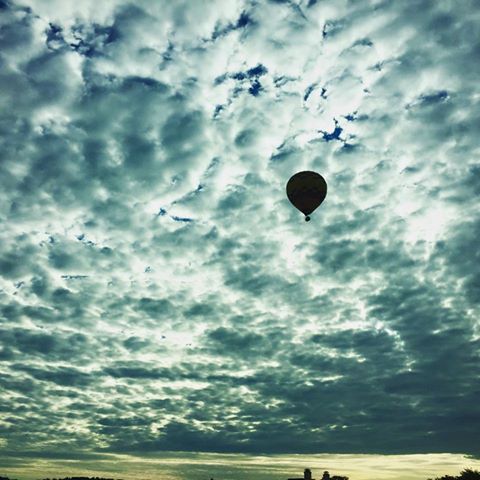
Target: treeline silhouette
[[68, 478], [467, 474], [327, 476]]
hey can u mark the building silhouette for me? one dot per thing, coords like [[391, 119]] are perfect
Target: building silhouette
[[307, 475]]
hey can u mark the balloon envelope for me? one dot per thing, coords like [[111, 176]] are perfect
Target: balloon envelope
[[306, 190]]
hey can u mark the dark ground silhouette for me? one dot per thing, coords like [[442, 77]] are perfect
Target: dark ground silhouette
[[467, 474]]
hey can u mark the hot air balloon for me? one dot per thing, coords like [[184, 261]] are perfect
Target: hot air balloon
[[306, 191]]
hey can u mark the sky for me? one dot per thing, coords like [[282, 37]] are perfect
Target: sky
[[160, 298]]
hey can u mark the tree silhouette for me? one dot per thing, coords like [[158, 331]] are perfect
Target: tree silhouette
[[467, 474]]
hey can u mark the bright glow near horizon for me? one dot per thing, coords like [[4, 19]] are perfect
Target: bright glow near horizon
[[186, 466]]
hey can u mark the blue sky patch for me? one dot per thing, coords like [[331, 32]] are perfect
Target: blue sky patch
[[335, 135], [255, 88]]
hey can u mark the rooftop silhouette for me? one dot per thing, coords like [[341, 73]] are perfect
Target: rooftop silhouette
[[307, 475]]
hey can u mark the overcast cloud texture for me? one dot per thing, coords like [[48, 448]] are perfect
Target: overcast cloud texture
[[160, 293]]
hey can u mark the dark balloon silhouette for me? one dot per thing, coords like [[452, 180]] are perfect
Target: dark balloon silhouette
[[306, 190]]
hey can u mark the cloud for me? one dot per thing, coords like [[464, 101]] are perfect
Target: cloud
[[159, 292]]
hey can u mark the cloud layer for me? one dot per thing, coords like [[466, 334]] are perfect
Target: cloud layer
[[158, 291]]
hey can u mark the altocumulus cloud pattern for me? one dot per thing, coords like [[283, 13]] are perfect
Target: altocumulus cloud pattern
[[158, 290]]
